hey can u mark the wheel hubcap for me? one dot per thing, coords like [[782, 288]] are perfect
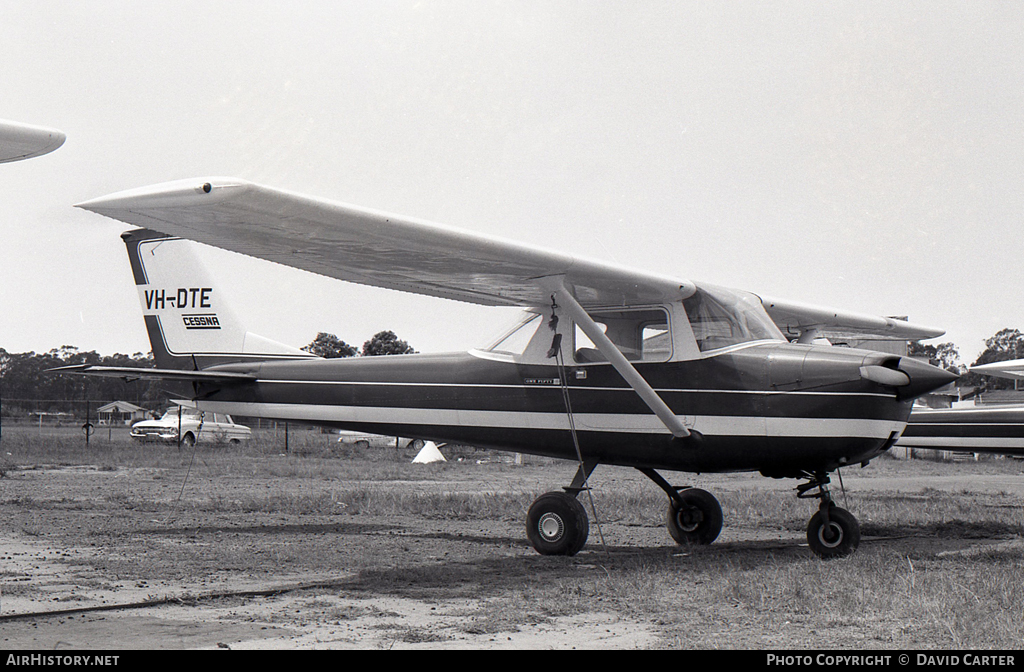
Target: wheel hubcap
[[689, 520], [831, 535], [551, 527]]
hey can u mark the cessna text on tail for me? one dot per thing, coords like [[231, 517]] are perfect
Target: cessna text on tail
[[608, 365]]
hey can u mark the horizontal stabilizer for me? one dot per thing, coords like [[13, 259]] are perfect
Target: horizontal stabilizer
[[135, 373]]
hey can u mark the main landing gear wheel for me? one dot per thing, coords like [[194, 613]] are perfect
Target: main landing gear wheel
[[696, 518], [833, 533], [557, 524]]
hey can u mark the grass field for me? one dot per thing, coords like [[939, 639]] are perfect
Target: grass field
[[940, 566]]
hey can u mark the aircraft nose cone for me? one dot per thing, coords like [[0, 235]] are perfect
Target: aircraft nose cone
[[923, 378]]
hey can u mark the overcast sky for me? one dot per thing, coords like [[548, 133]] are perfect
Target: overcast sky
[[863, 155]]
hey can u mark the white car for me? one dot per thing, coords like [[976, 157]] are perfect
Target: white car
[[195, 427]]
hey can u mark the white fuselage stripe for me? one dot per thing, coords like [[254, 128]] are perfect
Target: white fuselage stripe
[[631, 423], [990, 442]]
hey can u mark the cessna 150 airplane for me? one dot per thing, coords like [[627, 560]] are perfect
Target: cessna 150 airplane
[[608, 365]]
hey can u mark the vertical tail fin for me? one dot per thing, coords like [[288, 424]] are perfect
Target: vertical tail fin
[[190, 326]]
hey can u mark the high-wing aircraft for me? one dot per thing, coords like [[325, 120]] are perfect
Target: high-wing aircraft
[[997, 429], [608, 365], [23, 141]]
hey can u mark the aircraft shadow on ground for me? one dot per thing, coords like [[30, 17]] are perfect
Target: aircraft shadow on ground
[[463, 565]]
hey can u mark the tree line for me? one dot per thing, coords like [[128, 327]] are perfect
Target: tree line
[[26, 386], [330, 346], [1004, 345]]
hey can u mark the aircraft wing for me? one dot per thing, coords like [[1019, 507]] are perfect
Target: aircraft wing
[[23, 141], [798, 319], [1012, 369], [376, 248], [135, 373]]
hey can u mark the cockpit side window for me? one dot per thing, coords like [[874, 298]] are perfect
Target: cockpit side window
[[720, 317], [640, 335]]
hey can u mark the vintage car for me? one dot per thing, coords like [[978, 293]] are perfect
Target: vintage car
[[194, 427]]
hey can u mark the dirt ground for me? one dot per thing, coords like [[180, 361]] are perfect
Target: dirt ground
[[85, 563]]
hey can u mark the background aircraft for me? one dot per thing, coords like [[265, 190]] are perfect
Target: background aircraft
[[608, 365], [23, 141], [997, 429]]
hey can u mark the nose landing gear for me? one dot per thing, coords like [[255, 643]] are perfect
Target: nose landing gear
[[832, 532]]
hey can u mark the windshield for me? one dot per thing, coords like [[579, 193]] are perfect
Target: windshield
[[722, 317], [515, 339]]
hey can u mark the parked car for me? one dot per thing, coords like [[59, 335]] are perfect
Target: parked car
[[195, 427]]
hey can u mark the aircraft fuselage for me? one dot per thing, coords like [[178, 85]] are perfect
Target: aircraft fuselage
[[782, 409], [984, 429]]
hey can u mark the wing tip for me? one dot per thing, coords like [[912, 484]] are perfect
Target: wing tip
[[19, 141], [166, 194]]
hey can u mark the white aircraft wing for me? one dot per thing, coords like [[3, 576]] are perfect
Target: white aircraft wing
[[385, 250], [1012, 369], [376, 248], [798, 319], [23, 141]]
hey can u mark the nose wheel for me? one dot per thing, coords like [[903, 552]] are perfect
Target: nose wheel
[[832, 532]]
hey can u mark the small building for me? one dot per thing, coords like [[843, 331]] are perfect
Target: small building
[[120, 413]]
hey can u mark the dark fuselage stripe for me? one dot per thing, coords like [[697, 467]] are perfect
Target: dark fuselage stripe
[[595, 400]]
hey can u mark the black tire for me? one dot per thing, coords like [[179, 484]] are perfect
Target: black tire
[[839, 539], [698, 523], [188, 440], [557, 524]]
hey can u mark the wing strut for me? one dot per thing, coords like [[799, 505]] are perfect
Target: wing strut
[[565, 299]]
